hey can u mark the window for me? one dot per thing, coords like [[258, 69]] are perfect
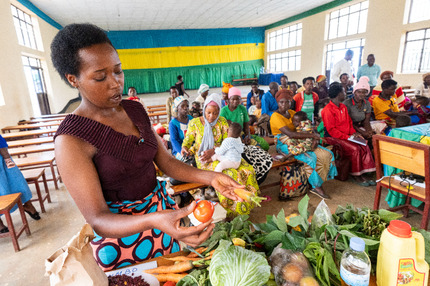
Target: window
[[416, 57], [419, 11], [347, 21], [24, 28], [336, 52], [1, 97], [287, 61], [285, 38]]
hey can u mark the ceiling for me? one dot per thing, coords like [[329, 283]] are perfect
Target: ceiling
[[174, 14]]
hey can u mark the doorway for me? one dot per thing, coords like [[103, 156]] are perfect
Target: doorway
[[36, 85]]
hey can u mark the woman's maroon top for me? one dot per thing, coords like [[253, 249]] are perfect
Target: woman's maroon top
[[124, 163]]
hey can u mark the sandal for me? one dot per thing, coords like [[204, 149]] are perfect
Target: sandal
[[34, 216], [4, 230], [371, 183], [363, 184]]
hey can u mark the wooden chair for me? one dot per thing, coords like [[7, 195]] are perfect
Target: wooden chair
[[32, 176], [7, 202], [411, 157]]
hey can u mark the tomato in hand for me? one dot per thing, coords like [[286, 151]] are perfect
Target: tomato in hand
[[203, 211]]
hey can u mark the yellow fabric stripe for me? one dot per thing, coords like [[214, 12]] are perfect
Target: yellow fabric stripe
[[188, 56]]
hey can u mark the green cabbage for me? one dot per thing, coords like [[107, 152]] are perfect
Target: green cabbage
[[235, 266]]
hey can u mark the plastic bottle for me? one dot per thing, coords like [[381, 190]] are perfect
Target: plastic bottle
[[355, 264], [401, 257]]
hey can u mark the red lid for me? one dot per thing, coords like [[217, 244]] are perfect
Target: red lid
[[400, 229]]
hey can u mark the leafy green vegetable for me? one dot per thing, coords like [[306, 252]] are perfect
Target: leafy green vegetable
[[198, 277], [388, 216], [235, 266]]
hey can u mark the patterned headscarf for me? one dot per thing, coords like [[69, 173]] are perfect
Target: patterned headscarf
[[284, 93], [320, 78], [203, 87], [226, 87], [208, 140], [178, 101], [385, 73]]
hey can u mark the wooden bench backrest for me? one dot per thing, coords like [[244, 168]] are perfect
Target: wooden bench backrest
[[402, 154]]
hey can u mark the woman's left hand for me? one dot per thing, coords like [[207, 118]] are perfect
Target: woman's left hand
[[226, 185], [206, 156]]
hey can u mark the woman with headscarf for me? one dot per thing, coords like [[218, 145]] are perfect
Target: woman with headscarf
[[202, 93], [321, 87], [319, 163], [399, 96], [179, 125], [424, 88], [224, 93], [203, 135], [359, 110], [338, 126]]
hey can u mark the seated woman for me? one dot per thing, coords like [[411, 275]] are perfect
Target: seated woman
[[385, 106], [12, 181], [398, 96], [307, 100], [179, 125], [321, 87], [424, 88], [203, 135], [339, 128], [359, 110], [106, 152], [319, 164]]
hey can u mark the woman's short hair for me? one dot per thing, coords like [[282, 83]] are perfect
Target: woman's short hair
[[387, 83], [179, 77], [334, 89], [67, 43], [308, 78]]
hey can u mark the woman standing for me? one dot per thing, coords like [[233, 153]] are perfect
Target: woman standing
[[180, 87], [179, 125], [12, 181], [319, 164], [339, 128], [106, 151], [203, 135]]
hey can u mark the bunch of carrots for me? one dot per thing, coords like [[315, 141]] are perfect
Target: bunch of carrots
[[182, 265]]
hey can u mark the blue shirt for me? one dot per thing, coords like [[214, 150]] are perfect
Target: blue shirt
[[177, 135], [3, 143], [372, 73], [268, 104]]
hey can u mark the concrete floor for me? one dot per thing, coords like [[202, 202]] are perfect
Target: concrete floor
[[62, 220]]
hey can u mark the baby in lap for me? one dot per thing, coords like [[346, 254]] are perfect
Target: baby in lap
[[299, 146]]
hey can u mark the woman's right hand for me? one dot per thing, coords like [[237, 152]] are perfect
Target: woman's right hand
[[185, 152], [169, 221], [316, 136]]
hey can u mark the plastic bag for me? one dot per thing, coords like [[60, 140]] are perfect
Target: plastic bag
[[322, 216], [290, 268]]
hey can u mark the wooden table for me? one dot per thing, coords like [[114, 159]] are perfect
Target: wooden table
[[41, 161], [50, 116], [31, 149], [34, 133], [29, 126], [29, 142]]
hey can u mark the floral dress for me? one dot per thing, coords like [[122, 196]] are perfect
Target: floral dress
[[244, 175]]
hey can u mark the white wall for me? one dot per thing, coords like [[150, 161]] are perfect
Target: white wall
[[12, 79], [384, 37]]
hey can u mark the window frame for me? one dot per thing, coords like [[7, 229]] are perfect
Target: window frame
[[330, 18], [426, 38], [26, 34], [410, 14]]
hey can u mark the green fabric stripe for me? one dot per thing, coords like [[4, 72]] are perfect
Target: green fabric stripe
[[308, 13], [160, 80]]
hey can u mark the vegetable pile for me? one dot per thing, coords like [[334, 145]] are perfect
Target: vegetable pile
[[283, 250]]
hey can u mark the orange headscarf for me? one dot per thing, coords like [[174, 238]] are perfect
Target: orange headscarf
[[226, 87], [284, 93]]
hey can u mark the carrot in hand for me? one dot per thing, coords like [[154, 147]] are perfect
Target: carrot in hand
[[174, 277], [248, 196], [176, 268]]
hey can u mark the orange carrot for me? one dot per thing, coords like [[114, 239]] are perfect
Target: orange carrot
[[176, 268], [198, 250], [174, 277], [210, 253], [183, 258], [249, 196]]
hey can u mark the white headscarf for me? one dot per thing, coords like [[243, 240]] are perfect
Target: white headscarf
[[208, 141], [177, 101], [203, 87]]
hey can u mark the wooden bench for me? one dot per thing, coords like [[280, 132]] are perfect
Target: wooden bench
[[155, 117], [31, 149], [411, 157], [34, 133], [156, 109], [7, 202], [32, 177], [29, 142], [149, 107], [42, 120], [59, 115], [243, 78], [28, 126], [41, 161], [186, 187]]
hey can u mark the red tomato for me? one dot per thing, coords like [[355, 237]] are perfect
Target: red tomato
[[204, 211], [169, 283]]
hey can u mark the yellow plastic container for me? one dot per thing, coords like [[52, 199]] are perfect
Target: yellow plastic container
[[401, 257]]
